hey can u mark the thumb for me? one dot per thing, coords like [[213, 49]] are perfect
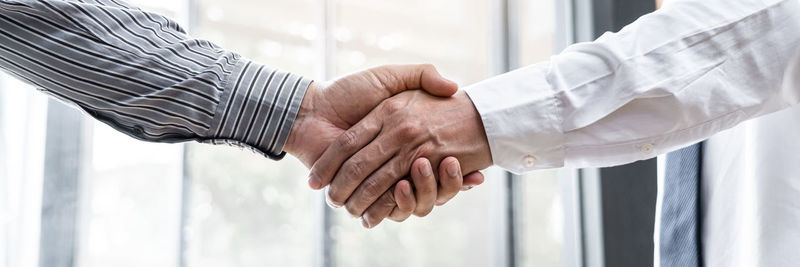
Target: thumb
[[398, 78], [433, 82], [472, 180]]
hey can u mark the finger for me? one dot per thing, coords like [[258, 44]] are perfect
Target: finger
[[375, 185], [450, 180], [399, 216], [425, 185], [359, 167], [347, 144], [379, 210], [406, 203], [397, 78], [472, 180]]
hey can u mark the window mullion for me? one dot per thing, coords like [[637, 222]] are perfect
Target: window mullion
[[504, 56], [60, 188], [326, 50], [188, 16]]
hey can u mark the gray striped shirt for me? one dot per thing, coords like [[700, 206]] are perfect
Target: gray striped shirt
[[140, 73]]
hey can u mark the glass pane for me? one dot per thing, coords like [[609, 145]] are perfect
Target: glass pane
[[130, 193], [537, 30], [23, 126], [278, 33], [454, 38], [130, 202], [541, 219], [244, 209], [247, 211], [540, 208]]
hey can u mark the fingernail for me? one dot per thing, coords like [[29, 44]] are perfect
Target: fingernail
[[314, 182], [331, 204], [452, 170], [406, 191], [466, 187], [364, 223], [425, 170]]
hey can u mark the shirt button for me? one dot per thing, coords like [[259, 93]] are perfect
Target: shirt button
[[138, 130], [529, 161], [647, 148]]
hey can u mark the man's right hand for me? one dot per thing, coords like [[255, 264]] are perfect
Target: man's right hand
[[329, 109], [383, 146]]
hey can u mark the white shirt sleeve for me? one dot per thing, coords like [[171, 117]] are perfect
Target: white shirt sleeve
[[672, 78]]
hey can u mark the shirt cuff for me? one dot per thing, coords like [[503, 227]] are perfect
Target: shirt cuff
[[258, 108], [520, 113]]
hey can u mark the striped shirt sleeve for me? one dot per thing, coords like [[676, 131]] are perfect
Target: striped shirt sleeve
[[140, 73]]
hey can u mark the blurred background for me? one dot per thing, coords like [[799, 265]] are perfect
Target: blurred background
[[73, 192]]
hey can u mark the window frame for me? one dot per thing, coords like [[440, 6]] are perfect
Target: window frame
[[61, 185], [617, 229]]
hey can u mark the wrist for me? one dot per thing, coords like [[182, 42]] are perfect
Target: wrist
[[458, 132], [480, 150], [302, 120]]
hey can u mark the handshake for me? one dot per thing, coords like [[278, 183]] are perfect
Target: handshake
[[372, 139]]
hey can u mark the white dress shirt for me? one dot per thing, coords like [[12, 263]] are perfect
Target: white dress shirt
[[674, 77], [750, 193]]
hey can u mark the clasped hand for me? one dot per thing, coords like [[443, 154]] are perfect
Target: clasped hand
[[372, 141]]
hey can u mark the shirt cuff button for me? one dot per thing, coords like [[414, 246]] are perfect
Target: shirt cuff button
[[138, 131], [528, 161], [647, 148]]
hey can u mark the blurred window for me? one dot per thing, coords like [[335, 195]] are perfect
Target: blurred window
[[452, 35], [23, 123], [539, 207], [243, 209], [129, 191]]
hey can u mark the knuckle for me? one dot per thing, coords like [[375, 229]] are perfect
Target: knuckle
[[392, 106], [388, 200], [354, 169], [425, 149], [392, 174], [348, 141], [371, 188], [408, 129], [375, 69]]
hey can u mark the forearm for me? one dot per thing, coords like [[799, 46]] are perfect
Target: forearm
[[669, 79], [140, 73]]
